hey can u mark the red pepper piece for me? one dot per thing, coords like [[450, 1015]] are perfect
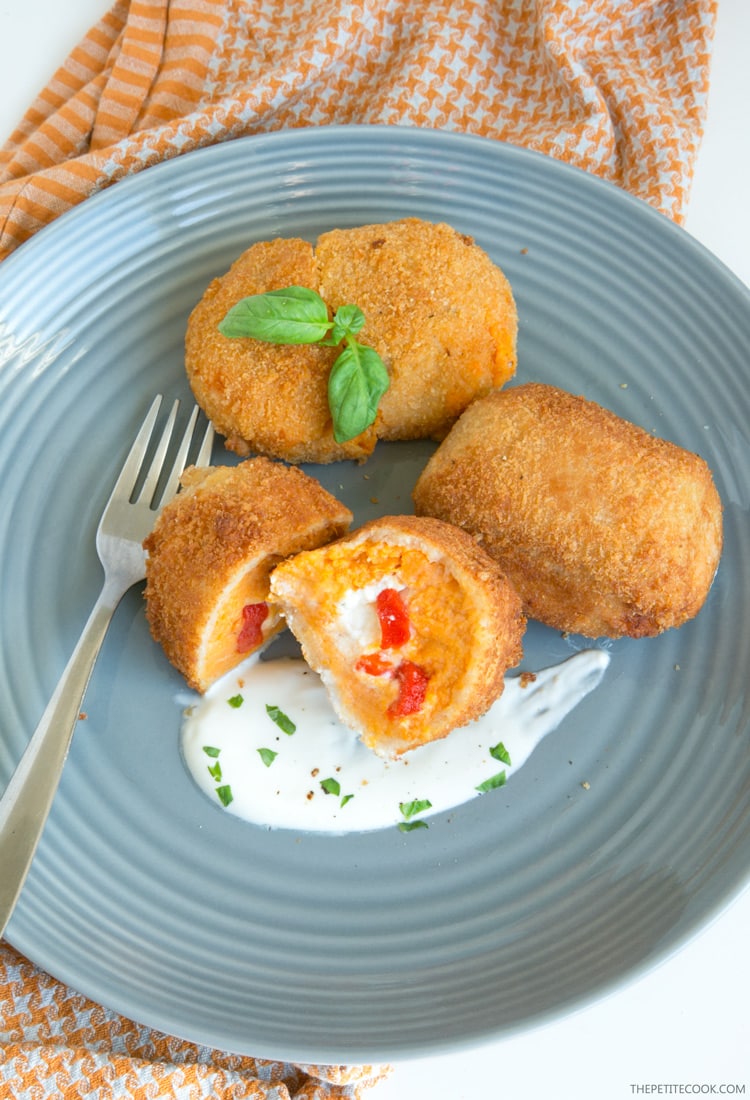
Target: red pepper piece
[[373, 664], [412, 689], [394, 618], [251, 635]]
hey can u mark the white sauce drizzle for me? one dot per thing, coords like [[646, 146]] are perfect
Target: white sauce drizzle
[[287, 793]]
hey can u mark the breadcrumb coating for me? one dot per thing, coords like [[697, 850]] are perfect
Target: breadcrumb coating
[[266, 398], [211, 552], [603, 528], [440, 314], [438, 311], [462, 618]]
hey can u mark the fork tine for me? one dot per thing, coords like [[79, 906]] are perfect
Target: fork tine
[[173, 482], [207, 446], [157, 462], [131, 467]]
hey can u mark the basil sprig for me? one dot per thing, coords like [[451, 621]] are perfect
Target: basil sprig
[[298, 315]]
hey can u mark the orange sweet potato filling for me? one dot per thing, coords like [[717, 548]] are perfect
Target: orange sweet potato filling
[[229, 636], [407, 681]]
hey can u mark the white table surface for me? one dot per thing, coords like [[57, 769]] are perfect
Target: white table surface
[[684, 1028]]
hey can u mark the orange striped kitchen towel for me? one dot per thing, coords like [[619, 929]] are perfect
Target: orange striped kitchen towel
[[618, 87], [54, 1043]]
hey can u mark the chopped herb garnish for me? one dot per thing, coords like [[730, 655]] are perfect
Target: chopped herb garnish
[[236, 701], [224, 794], [410, 809], [214, 770], [346, 798], [282, 720], [492, 783], [298, 315], [499, 752], [267, 756], [211, 750], [410, 826], [331, 786]]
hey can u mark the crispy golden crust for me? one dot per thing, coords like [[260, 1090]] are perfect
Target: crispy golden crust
[[604, 529], [216, 543], [267, 398], [438, 311], [465, 619]]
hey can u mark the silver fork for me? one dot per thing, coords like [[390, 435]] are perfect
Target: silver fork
[[122, 528]]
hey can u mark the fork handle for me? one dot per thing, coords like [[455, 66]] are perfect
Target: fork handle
[[27, 799]]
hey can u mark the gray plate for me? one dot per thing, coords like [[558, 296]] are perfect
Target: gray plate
[[507, 911]]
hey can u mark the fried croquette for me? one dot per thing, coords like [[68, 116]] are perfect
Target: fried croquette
[[210, 555], [440, 314], [410, 625], [268, 398], [604, 529]]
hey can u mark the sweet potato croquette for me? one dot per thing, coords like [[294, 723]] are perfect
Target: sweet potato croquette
[[210, 554], [438, 311], [604, 529], [440, 314], [410, 624]]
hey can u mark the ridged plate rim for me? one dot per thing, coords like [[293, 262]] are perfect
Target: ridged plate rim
[[626, 832]]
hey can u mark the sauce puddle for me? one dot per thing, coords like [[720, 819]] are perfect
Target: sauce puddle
[[321, 778]]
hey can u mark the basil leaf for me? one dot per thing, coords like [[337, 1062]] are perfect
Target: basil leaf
[[285, 724], [211, 750], [492, 783], [499, 752], [298, 315], [225, 795], [331, 786], [416, 806], [347, 321], [346, 798], [291, 315], [214, 770], [357, 381], [236, 701], [410, 826], [267, 756]]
